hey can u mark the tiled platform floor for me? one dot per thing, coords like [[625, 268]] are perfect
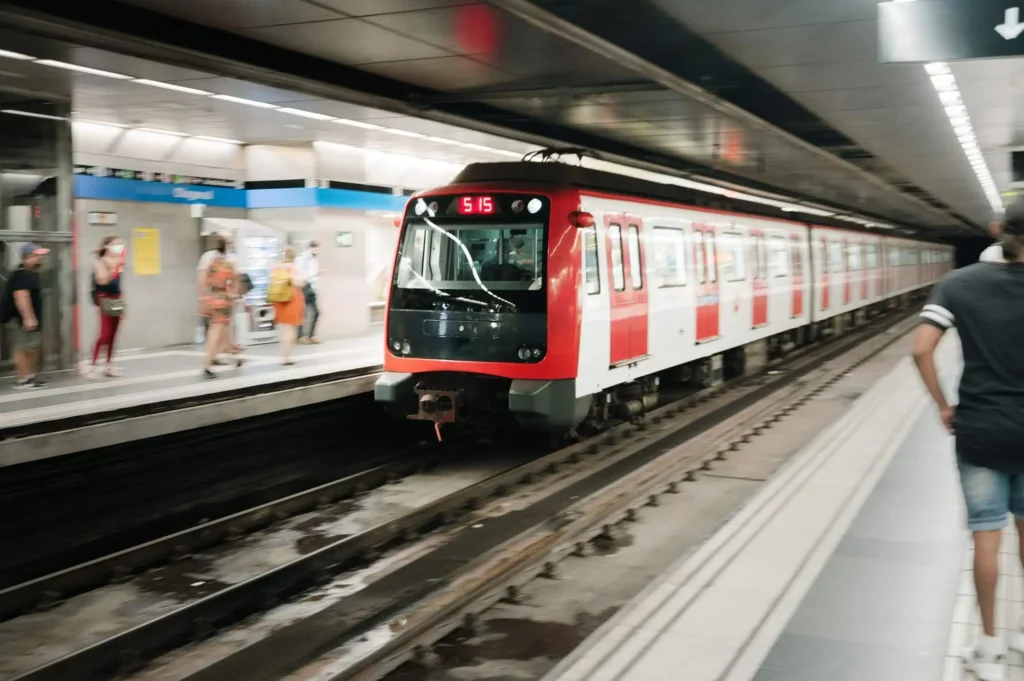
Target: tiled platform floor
[[174, 373]]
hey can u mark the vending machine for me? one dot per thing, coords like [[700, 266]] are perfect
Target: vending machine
[[258, 248]]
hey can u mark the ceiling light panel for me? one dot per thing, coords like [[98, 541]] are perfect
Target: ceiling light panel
[[247, 102], [218, 139], [7, 54], [402, 133], [357, 124], [83, 69], [949, 94], [30, 114], [172, 133], [171, 86], [305, 114]]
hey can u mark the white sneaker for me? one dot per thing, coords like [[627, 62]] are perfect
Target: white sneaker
[[986, 665]]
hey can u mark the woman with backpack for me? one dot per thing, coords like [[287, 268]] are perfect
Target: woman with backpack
[[106, 295], [285, 293], [219, 304]]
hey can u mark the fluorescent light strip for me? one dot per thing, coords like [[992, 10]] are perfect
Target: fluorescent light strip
[[158, 131], [218, 139], [357, 124], [103, 123], [305, 114], [171, 86], [247, 102], [29, 114], [402, 133], [83, 69], [949, 94], [7, 54]]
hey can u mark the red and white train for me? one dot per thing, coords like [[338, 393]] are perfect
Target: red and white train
[[564, 296]]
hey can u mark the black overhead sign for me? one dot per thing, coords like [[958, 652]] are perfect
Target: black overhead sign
[[947, 30]]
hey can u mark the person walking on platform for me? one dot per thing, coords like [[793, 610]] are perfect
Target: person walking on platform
[[285, 293], [106, 295], [21, 310], [218, 305], [983, 302], [309, 266], [228, 343]]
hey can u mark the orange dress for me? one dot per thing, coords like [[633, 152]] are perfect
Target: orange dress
[[293, 312]]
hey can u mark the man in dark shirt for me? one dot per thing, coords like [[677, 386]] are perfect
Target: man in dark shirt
[[985, 303], [21, 309]]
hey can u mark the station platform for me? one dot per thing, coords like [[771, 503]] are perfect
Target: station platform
[[163, 392], [850, 564]]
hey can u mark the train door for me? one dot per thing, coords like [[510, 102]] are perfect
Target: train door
[[848, 272], [707, 283], [796, 260], [826, 288], [760, 279], [627, 297], [865, 271], [638, 323]]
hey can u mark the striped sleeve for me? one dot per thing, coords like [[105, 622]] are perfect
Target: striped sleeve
[[937, 311]]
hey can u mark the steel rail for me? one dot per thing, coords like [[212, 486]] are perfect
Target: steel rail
[[48, 590]]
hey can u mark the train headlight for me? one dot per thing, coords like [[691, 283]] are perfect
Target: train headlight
[[396, 346], [534, 206], [526, 353], [406, 347]]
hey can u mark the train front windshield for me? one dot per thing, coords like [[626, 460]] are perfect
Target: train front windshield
[[471, 266]]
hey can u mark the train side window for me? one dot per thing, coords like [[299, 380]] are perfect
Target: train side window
[[835, 257], [712, 258], [591, 261], [730, 257], [797, 258], [760, 258], [778, 264], [636, 267], [615, 240], [870, 257], [669, 251], [699, 256], [854, 257]]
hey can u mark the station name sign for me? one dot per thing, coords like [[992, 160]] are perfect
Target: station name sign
[[949, 30]]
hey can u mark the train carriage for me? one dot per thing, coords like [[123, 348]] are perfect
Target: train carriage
[[562, 296]]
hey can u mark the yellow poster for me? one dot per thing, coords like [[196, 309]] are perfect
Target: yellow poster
[[146, 251]]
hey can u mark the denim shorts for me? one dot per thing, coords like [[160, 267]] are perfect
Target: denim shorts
[[990, 496]]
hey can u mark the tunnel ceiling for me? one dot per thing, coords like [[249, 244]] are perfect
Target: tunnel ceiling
[[658, 84]]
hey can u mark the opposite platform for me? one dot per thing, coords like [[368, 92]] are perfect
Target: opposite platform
[[163, 392], [844, 567]]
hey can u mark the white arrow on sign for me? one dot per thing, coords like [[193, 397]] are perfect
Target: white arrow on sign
[[1011, 26]]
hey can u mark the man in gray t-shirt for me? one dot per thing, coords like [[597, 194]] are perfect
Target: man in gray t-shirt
[[984, 302]]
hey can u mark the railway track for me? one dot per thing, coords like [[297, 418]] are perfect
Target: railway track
[[79, 508], [534, 513]]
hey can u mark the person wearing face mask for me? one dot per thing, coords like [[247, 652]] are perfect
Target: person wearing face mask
[[106, 295], [308, 266], [21, 310]]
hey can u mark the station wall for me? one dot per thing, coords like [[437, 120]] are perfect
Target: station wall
[[344, 197], [162, 307]]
